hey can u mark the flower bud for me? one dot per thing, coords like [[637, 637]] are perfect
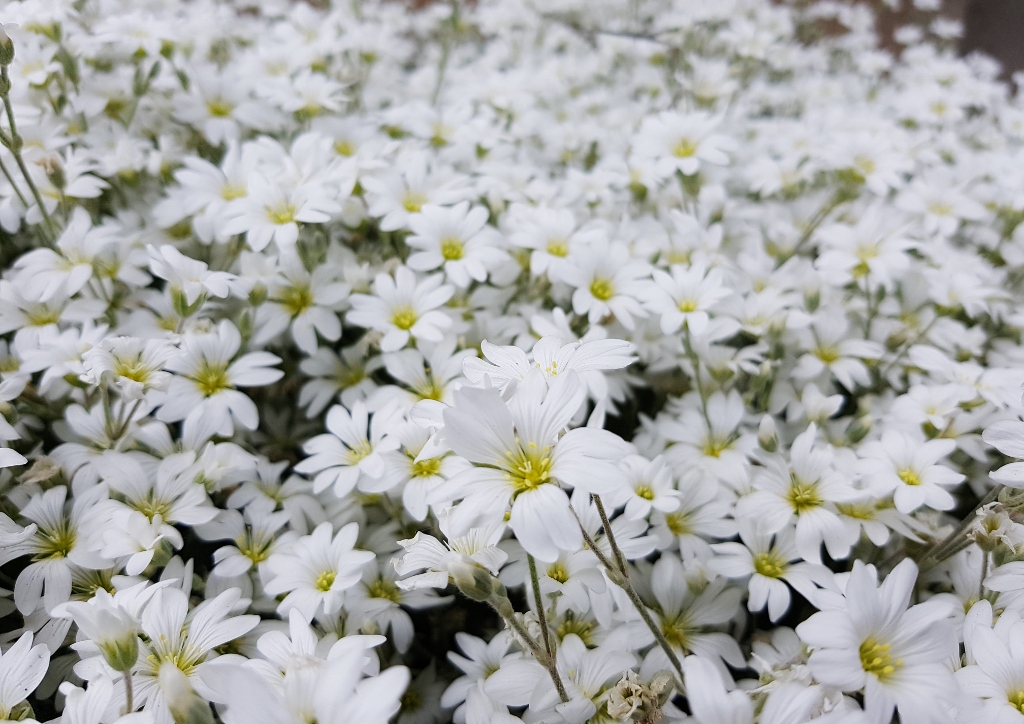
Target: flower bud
[[767, 437], [54, 171], [993, 527], [859, 429], [475, 582], [6, 47], [185, 705], [121, 653]]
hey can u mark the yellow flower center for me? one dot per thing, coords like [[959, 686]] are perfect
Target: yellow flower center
[[344, 147], [211, 378], [414, 201], [678, 523], [770, 564], [909, 477], [803, 496], [451, 249], [677, 632], [602, 289], [828, 355], [864, 164], [325, 580], [572, 625], [687, 305], [255, 547], [382, 588], [230, 191], [360, 451], [644, 491], [151, 507], [296, 299], [57, 542], [41, 315], [557, 572], [134, 369], [684, 148], [428, 468], [859, 511], [219, 108], [558, 247], [876, 659], [283, 213], [940, 208], [714, 447], [1016, 700], [529, 470], [430, 390], [403, 318]]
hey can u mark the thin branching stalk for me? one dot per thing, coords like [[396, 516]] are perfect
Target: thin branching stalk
[[620, 577]]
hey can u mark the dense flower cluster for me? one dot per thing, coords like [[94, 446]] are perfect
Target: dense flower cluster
[[514, 361]]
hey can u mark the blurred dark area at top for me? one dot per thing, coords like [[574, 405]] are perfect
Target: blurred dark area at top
[[993, 27]]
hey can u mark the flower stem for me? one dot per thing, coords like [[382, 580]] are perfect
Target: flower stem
[[545, 632], [619, 575], [984, 573], [10, 180], [15, 148], [503, 607], [129, 697], [953, 543]]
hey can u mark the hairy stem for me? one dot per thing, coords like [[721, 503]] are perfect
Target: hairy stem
[[620, 577], [129, 695], [954, 542], [15, 147], [503, 607]]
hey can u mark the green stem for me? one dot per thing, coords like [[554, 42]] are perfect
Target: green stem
[[548, 662], [129, 695], [698, 382], [10, 180], [621, 579], [984, 573], [954, 543], [537, 598], [15, 147]]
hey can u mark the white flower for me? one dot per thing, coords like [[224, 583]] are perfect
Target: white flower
[[306, 302], [333, 693], [403, 308], [187, 279], [111, 623], [683, 297], [317, 569], [771, 561], [69, 267], [1007, 436], [352, 454], [203, 392], [607, 282], [22, 668], [457, 239], [649, 485], [875, 644], [521, 462], [134, 365], [806, 489], [271, 211], [183, 639], [453, 560], [65, 536], [677, 142], [906, 468]]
